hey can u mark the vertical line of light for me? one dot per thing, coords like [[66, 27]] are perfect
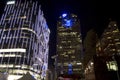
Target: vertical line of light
[[9, 53], [36, 21], [28, 14], [2, 18], [30, 38], [31, 33], [21, 40], [31, 15], [18, 9], [5, 7], [35, 8], [11, 16], [19, 28], [16, 40], [2, 47], [5, 15], [29, 49], [9, 9], [28, 56], [2, 34], [8, 13], [24, 7], [22, 23], [13, 7]]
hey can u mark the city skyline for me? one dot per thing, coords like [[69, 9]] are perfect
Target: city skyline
[[92, 14]]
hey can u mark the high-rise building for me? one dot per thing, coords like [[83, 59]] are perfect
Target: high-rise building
[[90, 46], [69, 45], [109, 43], [24, 37]]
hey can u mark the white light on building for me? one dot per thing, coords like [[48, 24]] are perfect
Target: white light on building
[[13, 50], [11, 2]]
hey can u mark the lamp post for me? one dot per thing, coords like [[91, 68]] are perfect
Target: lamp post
[[55, 74]]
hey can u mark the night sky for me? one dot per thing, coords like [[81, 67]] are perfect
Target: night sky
[[91, 13]]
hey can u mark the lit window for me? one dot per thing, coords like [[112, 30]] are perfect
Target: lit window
[[72, 56], [13, 50], [115, 24], [116, 39], [117, 42], [23, 17], [115, 31], [112, 66], [11, 2], [108, 37], [79, 63]]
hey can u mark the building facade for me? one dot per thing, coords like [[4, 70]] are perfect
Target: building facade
[[109, 42], [69, 45], [23, 40]]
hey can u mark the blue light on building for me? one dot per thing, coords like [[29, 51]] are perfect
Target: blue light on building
[[64, 15], [70, 69], [68, 23], [67, 20]]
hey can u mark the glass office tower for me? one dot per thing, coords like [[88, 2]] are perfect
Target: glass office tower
[[109, 43], [69, 45], [24, 37]]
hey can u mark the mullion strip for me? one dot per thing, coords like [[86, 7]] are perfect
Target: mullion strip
[[5, 15], [2, 48], [9, 53]]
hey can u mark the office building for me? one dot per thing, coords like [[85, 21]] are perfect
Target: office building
[[23, 40], [69, 45], [109, 42]]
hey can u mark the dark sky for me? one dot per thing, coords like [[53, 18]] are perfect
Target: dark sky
[[92, 14]]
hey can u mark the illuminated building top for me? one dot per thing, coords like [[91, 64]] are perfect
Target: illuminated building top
[[68, 20]]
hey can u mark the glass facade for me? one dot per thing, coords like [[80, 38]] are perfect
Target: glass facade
[[69, 45], [24, 37]]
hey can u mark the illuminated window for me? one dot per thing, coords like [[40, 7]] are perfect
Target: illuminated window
[[65, 64], [112, 66], [117, 42], [108, 37], [116, 39], [13, 50], [11, 2], [65, 55], [99, 48], [113, 49], [72, 56], [115, 31], [115, 24], [23, 17]]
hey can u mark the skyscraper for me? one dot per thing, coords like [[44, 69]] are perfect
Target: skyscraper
[[23, 40], [109, 43], [69, 45]]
